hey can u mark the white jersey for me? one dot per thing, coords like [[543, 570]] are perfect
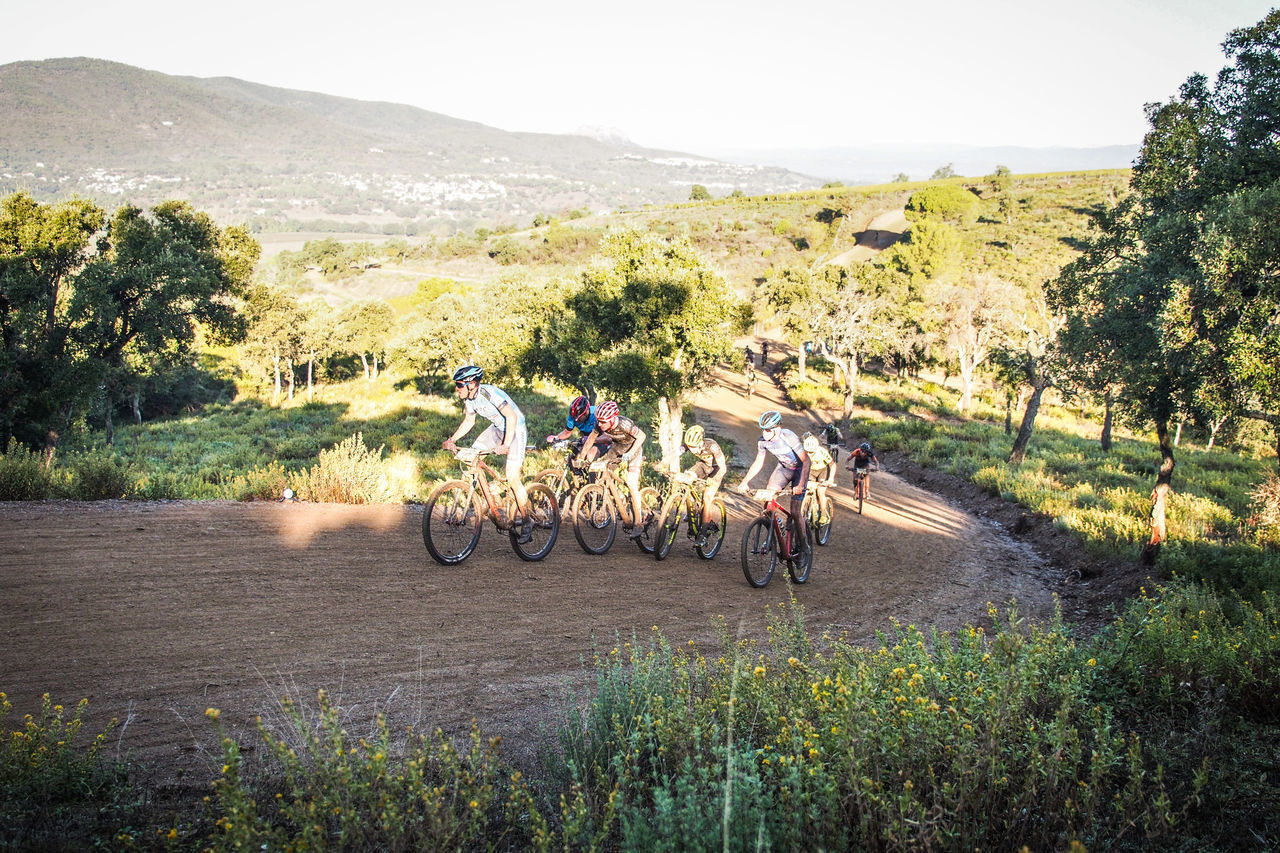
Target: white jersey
[[488, 404], [786, 447]]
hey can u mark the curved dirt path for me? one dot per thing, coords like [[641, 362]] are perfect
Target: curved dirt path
[[157, 611]]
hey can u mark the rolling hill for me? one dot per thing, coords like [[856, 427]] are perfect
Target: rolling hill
[[283, 159]]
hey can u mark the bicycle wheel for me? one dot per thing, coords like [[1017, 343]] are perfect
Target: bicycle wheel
[[758, 555], [822, 532], [650, 507], [669, 517], [800, 567], [554, 479], [861, 491], [451, 522], [719, 517], [546, 524], [595, 521]]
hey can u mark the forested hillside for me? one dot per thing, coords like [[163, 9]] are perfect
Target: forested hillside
[[283, 160]]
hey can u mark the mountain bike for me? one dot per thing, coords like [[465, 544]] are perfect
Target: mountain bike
[[566, 480], [861, 486], [814, 510], [683, 508], [600, 507], [456, 509], [750, 383], [770, 538]]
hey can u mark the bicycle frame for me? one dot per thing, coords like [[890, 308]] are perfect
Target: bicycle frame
[[478, 475]]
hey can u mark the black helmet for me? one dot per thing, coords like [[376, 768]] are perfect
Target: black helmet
[[579, 409], [470, 373]]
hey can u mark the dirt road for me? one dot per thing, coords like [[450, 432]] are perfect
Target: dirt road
[[157, 611]]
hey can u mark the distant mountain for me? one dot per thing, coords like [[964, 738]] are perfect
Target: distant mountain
[[281, 158], [875, 164]]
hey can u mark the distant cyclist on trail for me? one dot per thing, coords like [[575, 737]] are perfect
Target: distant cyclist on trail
[[764, 352], [581, 417], [792, 470], [831, 437], [507, 432], [860, 461], [627, 446], [750, 360], [711, 468]]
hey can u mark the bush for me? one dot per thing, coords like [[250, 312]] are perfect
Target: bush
[[93, 477], [348, 473], [23, 476], [945, 201]]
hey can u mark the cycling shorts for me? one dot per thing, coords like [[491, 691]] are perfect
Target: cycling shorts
[[706, 471], [492, 437], [783, 476]]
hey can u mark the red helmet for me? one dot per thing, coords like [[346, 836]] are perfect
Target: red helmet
[[607, 415], [579, 409]]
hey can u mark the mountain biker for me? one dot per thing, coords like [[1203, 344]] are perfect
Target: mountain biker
[[860, 460], [626, 444], [750, 360], [831, 437], [822, 473], [791, 471], [581, 417], [764, 352], [711, 468], [507, 432]]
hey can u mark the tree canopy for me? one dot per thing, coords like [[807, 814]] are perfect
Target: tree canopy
[[83, 297]]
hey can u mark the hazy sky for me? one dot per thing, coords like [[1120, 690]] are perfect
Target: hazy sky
[[690, 75]]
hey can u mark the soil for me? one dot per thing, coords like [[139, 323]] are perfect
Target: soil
[[156, 611]]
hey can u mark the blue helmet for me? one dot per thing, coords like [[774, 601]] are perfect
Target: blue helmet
[[470, 373], [865, 447], [770, 420]]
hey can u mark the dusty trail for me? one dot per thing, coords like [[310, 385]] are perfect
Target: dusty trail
[[157, 611]]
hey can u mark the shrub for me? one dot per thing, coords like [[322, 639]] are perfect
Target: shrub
[[52, 787], [23, 476], [347, 473], [945, 201], [93, 477], [336, 792]]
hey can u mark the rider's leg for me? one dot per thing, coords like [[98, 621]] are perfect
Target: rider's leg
[[631, 476]]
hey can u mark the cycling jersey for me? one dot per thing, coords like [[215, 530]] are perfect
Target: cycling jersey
[[710, 458], [586, 426], [785, 447], [819, 460], [487, 403], [860, 459], [620, 435]]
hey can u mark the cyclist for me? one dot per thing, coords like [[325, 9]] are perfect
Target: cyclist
[[764, 352], [711, 468], [831, 437], [626, 444], [861, 459], [792, 469], [750, 362], [822, 472], [507, 432], [581, 417]]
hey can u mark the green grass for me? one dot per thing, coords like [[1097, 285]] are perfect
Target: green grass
[[1161, 731]]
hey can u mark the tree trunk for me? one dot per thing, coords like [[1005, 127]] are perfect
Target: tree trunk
[[311, 359], [1177, 435], [802, 376], [1008, 411], [1020, 443], [850, 383], [1160, 495], [364, 359], [670, 433], [289, 364], [1108, 416], [966, 387], [1214, 427], [137, 408], [54, 434], [109, 426], [276, 397], [375, 365]]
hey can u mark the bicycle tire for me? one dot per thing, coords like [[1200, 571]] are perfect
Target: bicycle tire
[[801, 566], [670, 517], [546, 525], [822, 532], [595, 520], [861, 491], [719, 516], [759, 556], [650, 503], [554, 479], [451, 522]]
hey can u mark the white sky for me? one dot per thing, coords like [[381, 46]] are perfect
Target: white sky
[[689, 75]]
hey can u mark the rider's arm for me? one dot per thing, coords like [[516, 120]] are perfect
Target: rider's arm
[[463, 429], [587, 444], [639, 435], [752, 471], [804, 472]]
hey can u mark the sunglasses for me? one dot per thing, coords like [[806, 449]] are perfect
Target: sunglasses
[[461, 384]]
